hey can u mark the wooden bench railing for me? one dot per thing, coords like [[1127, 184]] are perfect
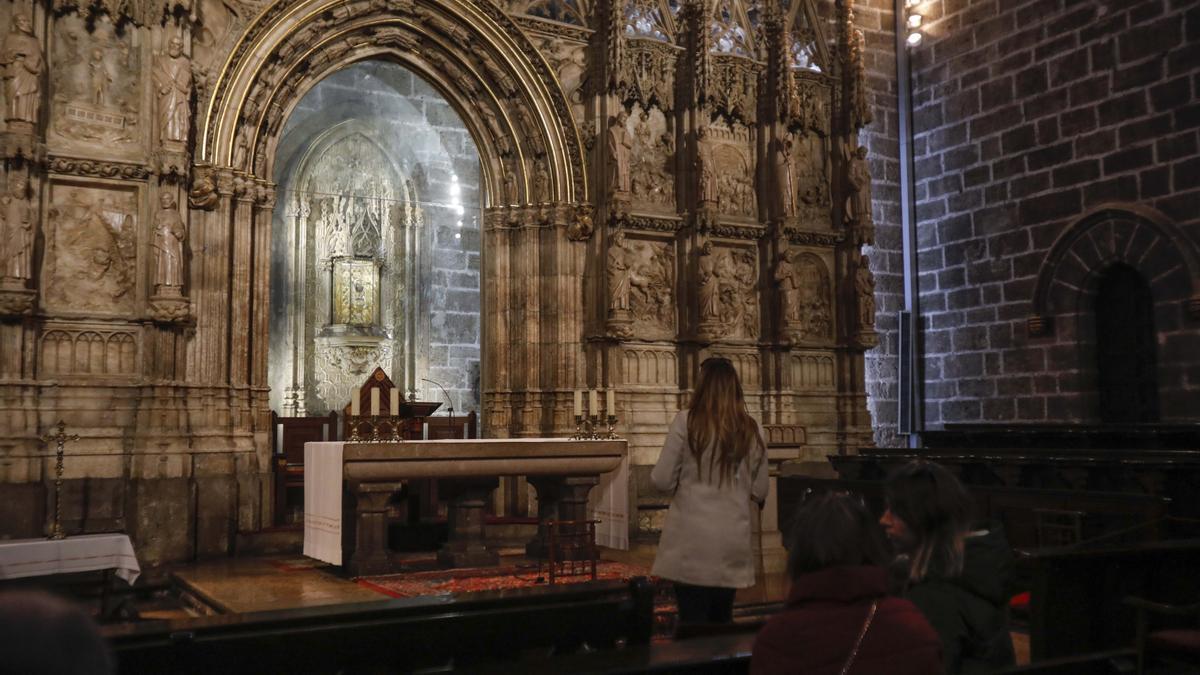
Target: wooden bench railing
[[396, 636]]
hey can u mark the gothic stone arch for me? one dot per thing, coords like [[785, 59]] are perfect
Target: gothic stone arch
[[533, 175], [1068, 282]]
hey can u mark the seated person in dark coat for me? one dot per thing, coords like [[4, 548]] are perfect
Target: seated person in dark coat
[[838, 617], [959, 576]]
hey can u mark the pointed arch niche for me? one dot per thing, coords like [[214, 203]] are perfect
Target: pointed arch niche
[[375, 256]]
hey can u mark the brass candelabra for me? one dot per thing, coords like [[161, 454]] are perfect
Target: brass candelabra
[[378, 429], [588, 428], [61, 439]]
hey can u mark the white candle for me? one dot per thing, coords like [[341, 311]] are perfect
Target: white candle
[[593, 402], [577, 409], [395, 408], [375, 400], [354, 404], [611, 400]]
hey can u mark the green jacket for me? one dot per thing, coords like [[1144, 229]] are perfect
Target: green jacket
[[970, 611]]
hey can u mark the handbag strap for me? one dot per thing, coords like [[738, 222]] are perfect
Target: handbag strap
[[861, 634]]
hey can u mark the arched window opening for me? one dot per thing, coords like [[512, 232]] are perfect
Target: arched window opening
[[1126, 347]]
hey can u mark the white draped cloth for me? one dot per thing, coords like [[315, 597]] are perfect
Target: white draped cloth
[[323, 501], [83, 553]]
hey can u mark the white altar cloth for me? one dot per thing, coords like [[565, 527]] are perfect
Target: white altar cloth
[[82, 553], [323, 477]]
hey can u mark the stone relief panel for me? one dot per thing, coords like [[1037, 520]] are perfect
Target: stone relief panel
[[91, 249], [95, 86], [216, 30], [732, 151], [652, 287], [88, 350], [810, 167], [812, 371], [728, 295], [809, 316], [653, 161], [650, 367]]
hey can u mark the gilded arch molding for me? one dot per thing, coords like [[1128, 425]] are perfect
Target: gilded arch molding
[[470, 49]]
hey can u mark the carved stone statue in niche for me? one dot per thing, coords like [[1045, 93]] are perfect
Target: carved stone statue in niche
[[173, 79], [858, 199], [541, 182], [619, 274], [706, 167], [169, 235], [18, 233], [710, 287], [22, 72], [620, 147], [789, 287], [785, 205], [99, 78], [864, 285]]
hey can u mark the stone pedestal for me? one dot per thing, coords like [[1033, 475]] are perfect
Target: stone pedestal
[[559, 498], [168, 305], [620, 323], [466, 547], [15, 299], [368, 552]]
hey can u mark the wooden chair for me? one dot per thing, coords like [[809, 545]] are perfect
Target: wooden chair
[[453, 426], [1057, 527], [1181, 645], [289, 434], [572, 548]]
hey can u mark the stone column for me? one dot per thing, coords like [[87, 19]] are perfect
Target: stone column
[[559, 498], [364, 526], [465, 546]]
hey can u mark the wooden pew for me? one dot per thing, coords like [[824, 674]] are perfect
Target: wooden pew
[[394, 636], [1016, 508], [1076, 600], [288, 436], [1063, 436]]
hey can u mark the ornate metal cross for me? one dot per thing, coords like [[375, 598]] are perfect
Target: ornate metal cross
[[61, 439]]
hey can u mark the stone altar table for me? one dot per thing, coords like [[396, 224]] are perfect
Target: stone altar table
[[347, 487]]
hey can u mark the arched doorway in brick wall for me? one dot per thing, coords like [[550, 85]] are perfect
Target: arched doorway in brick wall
[[1122, 258]]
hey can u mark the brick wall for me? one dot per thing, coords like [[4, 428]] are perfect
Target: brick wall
[[1029, 116]]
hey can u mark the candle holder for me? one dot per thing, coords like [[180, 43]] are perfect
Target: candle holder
[[612, 422], [397, 437], [60, 438]]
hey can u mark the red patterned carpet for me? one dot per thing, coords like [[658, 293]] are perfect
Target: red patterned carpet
[[471, 579]]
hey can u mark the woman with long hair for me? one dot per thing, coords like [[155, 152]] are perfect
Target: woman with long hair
[[959, 576], [714, 463], [838, 617]]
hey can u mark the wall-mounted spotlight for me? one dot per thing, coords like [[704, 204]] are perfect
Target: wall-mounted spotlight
[[913, 21]]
